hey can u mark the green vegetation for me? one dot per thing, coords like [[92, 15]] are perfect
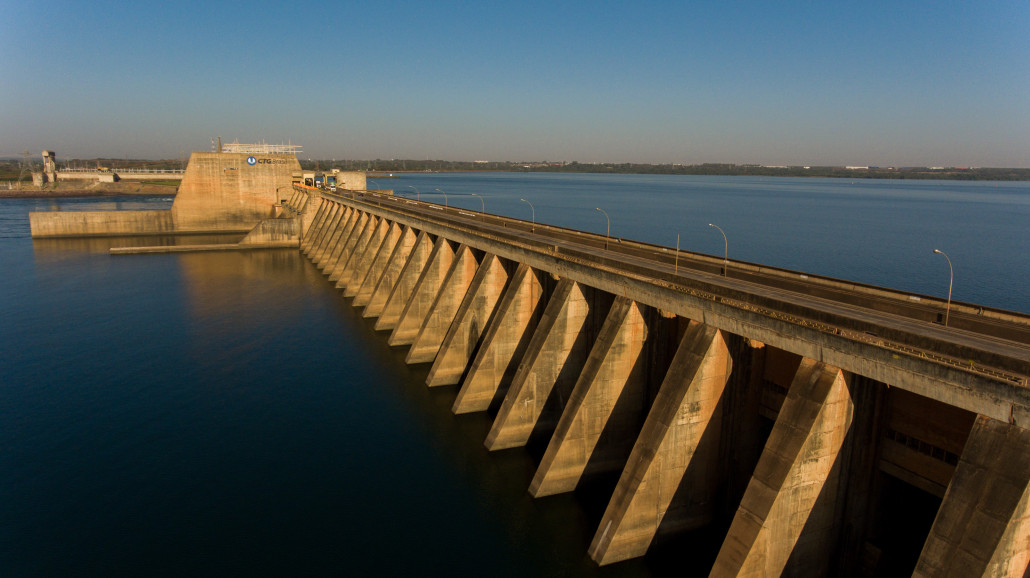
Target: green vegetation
[[162, 183], [11, 169]]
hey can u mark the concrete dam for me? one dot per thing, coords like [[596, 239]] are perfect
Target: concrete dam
[[763, 405], [789, 423]]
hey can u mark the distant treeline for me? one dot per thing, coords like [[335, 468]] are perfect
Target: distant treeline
[[952, 173], [11, 169]]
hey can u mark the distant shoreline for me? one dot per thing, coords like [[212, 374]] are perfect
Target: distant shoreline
[[868, 173]]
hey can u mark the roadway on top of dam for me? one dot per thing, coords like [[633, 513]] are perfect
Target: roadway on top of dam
[[998, 340]]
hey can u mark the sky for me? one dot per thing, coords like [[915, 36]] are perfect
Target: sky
[[878, 83]]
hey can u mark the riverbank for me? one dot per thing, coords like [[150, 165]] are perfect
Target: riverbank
[[88, 189]]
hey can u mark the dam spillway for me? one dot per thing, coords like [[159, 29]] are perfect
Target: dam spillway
[[761, 404]]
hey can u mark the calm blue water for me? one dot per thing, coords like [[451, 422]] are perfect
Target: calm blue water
[[230, 414], [876, 232]]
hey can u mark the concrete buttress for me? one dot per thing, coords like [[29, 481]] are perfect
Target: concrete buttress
[[787, 511], [983, 525], [548, 371], [677, 447], [328, 210], [440, 317], [378, 266], [331, 237], [504, 343], [394, 265], [353, 254], [319, 252], [603, 415], [311, 235], [423, 294], [344, 247], [406, 281], [336, 239], [470, 323], [309, 206], [364, 260]]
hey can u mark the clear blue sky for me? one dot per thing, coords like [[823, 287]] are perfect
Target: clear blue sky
[[843, 83]]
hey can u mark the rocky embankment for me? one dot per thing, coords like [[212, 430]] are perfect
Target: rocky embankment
[[88, 189]]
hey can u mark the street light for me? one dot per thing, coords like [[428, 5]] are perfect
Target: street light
[[676, 268], [444, 197], [609, 231], [418, 195], [533, 212], [726, 251], [951, 279], [482, 204], [374, 183]]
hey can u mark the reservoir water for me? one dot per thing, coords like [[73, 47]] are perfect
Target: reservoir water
[[232, 414]]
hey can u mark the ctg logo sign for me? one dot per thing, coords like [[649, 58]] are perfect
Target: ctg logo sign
[[256, 161]]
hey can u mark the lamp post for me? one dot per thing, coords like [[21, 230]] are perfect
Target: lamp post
[[374, 183], [608, 232], [444, 197], [676, 268], [418, 195], [531, 208], [951, 279], [481, 202], [726, 251]]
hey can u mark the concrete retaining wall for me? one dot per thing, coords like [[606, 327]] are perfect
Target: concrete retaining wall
[[100, 223], [273, 232]]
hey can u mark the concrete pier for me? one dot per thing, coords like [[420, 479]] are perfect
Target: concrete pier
[[407, 279], [548, 372], [606, 401], [343, 244], [781, 504], [505, 342], [354, 250], [423, 294], [445, 305], [377, 267], [316, 226], [983, 526], [677, 447], [332, 233], [391, 275], [363, 259], [330, 243], [345, 247], [474, 314]]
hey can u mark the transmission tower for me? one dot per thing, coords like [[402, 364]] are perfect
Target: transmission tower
[[25, 165]]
